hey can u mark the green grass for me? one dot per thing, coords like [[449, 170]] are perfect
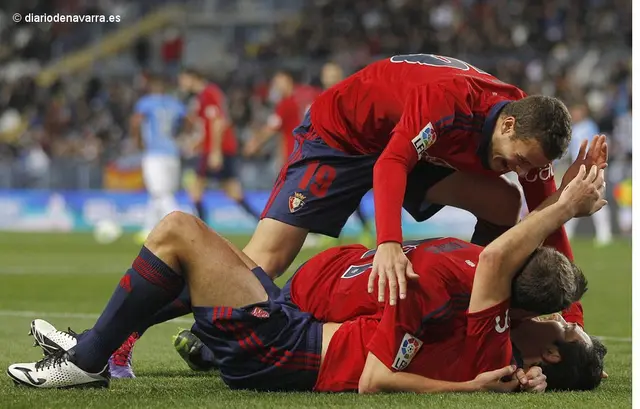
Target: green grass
[[68, 279]]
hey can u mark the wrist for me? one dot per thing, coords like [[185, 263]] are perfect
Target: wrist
[[471, 386], [390, 243], [564, 210]]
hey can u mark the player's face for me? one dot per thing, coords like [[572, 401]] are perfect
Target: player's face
[[331, 75], [511, 154], [554, 327], [185, 82], [282, 84]]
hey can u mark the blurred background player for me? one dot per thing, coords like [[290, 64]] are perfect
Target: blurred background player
[[154, 125], [218, 147], [585, 128]]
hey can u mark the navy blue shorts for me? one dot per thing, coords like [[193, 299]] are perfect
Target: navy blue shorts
[[320, 187], [228, 171], [269, 346]]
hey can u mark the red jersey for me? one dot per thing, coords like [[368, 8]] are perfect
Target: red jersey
[[430, 333], [418, 107], [290, 112], [423, 107], [446, 267], [211, 103]]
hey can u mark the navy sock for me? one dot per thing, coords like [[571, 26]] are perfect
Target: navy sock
[[243, 203], [146, 287], [200, 211], [486, 232], [360, 215], [177, 308]]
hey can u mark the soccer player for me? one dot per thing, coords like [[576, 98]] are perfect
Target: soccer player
[[154, 125], [424, 131], [264, 343], [294, 102], [584, 128], [219, 145]]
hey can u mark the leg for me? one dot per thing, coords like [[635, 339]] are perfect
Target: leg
[[195, 192], [233, 189], [495, 201], [274, 245], [602, 224]]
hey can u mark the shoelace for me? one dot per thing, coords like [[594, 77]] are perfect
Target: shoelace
[[123, 354], [51, 361]]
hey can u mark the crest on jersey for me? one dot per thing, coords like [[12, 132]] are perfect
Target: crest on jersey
[[409, 347], [296, 201], [500, 326], [259, 313], [424, 140]]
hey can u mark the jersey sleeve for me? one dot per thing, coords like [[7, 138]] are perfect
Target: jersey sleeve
[[275, 119], [417, 130], [488, 343], [211, 105], [396, 341], [537, 185]]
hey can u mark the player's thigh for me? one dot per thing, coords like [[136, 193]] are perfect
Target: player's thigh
[[158, 174], [212, 266], [274, 245], [490, 198], [319, 188]]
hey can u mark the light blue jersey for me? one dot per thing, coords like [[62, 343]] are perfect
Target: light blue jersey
[[162, 115], [585, 129]]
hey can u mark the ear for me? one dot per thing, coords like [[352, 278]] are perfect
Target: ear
[[508, 126], [551, 355]]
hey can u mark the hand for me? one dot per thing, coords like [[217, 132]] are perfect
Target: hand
[[585, 193], [533, 380], [492, 381], [597, 155], [251, 148], [391, 264], [215, 161]]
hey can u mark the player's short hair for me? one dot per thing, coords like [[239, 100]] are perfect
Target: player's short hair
[[547, 283], [192, 72], [580, 368], [545, 119], [288, 72]]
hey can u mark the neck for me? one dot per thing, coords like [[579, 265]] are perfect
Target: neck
[[525, 338]]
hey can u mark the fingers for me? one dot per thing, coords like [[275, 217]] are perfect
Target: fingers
[[604, 375], [411, 274], [593, 174], [583, 149], [372, 278], [392, 276], [581, 173], [522, 377], [502, 372], [402, 280], [382, 284]]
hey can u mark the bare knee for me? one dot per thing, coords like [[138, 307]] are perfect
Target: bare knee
[[173, 231]]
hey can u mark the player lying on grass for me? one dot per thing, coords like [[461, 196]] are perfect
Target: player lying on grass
[[120, 362], [263, 342]]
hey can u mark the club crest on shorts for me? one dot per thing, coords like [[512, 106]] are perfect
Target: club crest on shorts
[[259, 313], [296, 201], [424, 140], [409, 347]]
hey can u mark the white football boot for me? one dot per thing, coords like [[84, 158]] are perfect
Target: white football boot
[[57, 371], [50, 339]]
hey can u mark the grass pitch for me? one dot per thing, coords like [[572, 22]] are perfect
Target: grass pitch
[[68, 278]]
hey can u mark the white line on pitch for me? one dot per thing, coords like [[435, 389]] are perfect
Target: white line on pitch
[[36, 314]]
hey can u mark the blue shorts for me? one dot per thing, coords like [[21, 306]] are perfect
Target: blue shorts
[[269, 346], [320, 187], [228, 171]]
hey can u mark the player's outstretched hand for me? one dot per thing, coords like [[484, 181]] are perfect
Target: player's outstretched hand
[[492, 381], [251, 148], [597, 155], [585, 193], [391, 265], [533, 380]]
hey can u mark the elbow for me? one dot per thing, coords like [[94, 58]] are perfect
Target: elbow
[[491, 258], [368, 385]]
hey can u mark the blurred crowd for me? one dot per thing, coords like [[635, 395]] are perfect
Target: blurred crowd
[[576, 50]]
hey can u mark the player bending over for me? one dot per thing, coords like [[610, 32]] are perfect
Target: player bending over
[[423, 131], [263, 342]]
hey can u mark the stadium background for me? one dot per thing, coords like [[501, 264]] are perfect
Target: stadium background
[[66, 159]]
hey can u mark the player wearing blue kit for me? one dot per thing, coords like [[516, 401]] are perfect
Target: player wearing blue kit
[[155, 123], [584, 128]]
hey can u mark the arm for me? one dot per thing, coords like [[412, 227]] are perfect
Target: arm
[[218, 126], [500, 261], [264, 135], [376, 377], [135, 124]]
